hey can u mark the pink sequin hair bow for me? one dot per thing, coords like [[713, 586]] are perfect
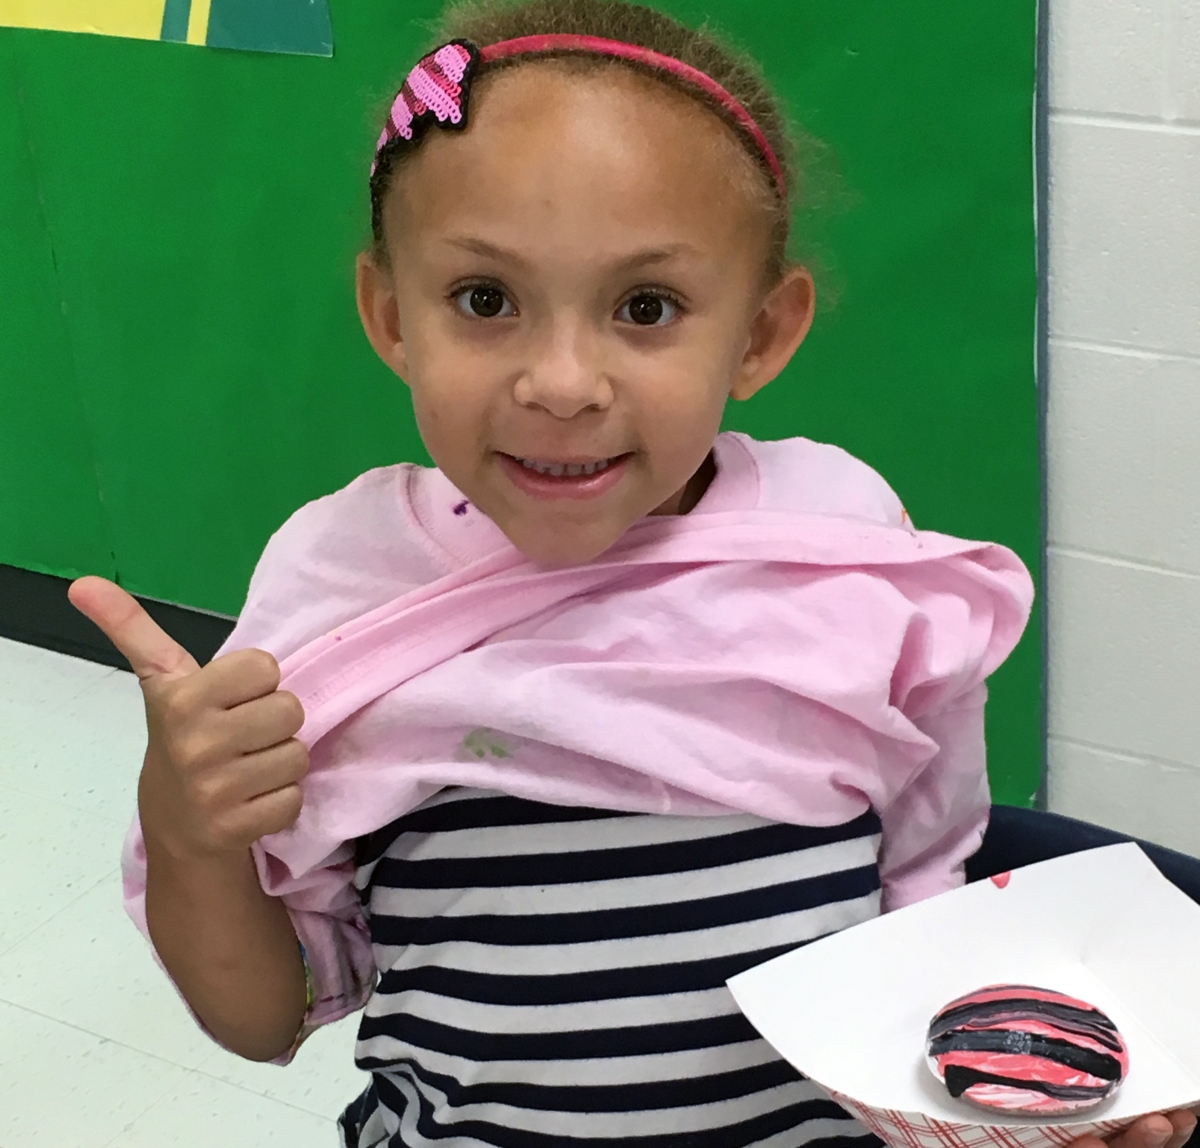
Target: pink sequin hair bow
[[437, 90]]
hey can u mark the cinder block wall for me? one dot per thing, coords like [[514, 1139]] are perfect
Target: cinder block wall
[[1123, 427]]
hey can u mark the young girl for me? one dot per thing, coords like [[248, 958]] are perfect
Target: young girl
[[530, 752]]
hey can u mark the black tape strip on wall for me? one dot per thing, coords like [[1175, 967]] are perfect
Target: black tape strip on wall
[[34, 609]]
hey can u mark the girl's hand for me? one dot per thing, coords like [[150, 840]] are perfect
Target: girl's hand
[[222, 766], [1168, 1130]]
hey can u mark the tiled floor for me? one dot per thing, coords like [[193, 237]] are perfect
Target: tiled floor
[[96, 1050]]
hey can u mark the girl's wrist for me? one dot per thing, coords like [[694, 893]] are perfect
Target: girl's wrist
[[211, 873]]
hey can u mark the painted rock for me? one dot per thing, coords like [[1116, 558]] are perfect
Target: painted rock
[[1026, 1050]]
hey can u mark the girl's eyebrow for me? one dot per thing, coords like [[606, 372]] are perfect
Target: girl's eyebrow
[[653, 255], [646, 258]]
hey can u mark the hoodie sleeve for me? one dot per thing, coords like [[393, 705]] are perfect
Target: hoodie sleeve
[[307, 580], [334, 940], [938, 820], [972, 611]]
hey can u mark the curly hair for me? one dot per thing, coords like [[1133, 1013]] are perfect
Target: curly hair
[[489, 21]]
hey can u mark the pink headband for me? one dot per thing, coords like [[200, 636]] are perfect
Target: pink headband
[[439, 86]]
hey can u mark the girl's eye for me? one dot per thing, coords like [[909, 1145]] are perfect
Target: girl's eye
[[650, 309], [483, 301]]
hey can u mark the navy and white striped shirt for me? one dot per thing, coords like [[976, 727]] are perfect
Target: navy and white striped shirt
[[554, 975]]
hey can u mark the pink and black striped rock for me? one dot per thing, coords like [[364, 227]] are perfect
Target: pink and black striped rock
[[1026, 1050]]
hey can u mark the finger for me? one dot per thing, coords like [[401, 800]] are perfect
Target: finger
[[260, 723], [238, 677], [270, 813], [1148, 1132], [1088, 1142], [256, 774], [1184, 1123], [150, 650]]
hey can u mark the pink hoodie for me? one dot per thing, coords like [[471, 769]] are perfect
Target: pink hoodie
[[792, 648]]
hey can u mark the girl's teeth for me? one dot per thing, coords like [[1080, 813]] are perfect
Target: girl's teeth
[[571, 470]]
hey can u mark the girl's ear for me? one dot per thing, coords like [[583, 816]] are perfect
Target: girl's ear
[[776, 331], [377, 307]]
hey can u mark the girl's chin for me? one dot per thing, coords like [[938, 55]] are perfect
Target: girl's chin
[[564, 543]]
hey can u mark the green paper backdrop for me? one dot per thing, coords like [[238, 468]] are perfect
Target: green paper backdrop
[[181, 364]]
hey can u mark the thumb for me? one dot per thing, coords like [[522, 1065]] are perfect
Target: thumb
[[150, 649]]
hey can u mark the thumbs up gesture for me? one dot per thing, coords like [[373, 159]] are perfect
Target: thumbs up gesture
[[222, 765]]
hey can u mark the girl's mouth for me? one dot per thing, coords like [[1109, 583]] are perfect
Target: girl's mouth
[[553, 478]]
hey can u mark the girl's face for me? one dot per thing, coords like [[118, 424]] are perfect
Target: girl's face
[[575, 280]]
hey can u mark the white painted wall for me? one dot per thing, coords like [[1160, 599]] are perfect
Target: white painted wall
[[1123, 580]]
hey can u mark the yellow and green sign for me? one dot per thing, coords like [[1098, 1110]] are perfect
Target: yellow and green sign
[[298, 27]]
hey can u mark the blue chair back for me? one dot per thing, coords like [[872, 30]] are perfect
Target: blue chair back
[[1017, 837]]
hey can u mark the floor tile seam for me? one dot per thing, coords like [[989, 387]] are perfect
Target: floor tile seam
[[87, 663], [261, 1095], [60, 700], [217, 1049], [169, 1091], [22, 791], [98, 1036], [94, 684], [6, 950]]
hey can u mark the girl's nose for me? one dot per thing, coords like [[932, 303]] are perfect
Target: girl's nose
[[564, 376]]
